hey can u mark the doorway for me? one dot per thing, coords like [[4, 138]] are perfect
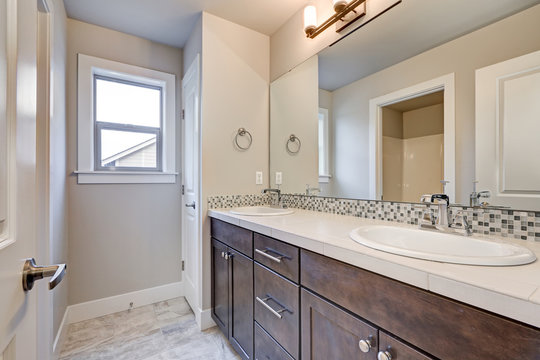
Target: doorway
[[413, 148], [443, 85]]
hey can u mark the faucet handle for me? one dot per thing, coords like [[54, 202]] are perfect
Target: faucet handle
[[440, 197], [425, 198]]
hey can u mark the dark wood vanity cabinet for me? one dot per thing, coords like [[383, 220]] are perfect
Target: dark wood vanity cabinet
[[232, 288], [276, 301], [329, 332]]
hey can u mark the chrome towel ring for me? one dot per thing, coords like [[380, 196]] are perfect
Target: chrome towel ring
[[243, 132], [293, 139]]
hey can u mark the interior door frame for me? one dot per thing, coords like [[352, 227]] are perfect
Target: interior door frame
[[446, 83], [45, 342]]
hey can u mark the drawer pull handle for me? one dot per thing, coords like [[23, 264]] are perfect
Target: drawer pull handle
[[384, 355], [267, 255], [365, 345], [263, 302]]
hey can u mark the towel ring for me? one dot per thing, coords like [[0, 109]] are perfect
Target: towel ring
[[243, 132], [293, 139]]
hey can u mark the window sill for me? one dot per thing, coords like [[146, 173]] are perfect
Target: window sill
[[125, 177]]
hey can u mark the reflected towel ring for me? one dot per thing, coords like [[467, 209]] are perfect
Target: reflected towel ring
[[243, 132], [293, 139]]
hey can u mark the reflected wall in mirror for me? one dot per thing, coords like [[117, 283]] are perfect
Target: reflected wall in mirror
[[294, 111], [370, 63]]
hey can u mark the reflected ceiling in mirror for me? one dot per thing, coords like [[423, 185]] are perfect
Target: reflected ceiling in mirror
[[410, 28]]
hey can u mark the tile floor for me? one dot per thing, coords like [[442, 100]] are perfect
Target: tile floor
[[162, 331]]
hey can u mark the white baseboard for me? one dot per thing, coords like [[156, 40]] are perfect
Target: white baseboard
[[113, 304], [204, 318]]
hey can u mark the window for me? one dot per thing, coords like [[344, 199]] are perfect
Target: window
[[126, 123], [324, 156]]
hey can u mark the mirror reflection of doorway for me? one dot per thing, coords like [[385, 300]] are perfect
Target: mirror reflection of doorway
[[413, 147]]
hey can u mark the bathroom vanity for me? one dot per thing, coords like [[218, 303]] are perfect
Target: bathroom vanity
[[296, 288]]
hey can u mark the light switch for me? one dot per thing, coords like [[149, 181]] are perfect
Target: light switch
[[279, 178], [258, 178]]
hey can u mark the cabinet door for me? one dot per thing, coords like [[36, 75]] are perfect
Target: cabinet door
[[394, 349], [241, 303], [220, 286], [331, 333]]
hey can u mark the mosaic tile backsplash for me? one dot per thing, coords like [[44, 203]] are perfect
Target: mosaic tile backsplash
[[524, 225]]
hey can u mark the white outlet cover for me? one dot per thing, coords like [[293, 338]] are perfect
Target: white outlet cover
[[258, 178], [279, 178]]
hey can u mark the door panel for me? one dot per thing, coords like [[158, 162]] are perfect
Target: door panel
[[190, 179], [331, 333], [241, 304], [17, 308], [507, 111], [220, 286]]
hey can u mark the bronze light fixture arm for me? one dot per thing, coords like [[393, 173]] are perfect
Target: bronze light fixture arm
[[334, 18]]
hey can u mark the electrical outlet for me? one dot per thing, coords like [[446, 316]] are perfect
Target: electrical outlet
[[258, 178], [279, 178]]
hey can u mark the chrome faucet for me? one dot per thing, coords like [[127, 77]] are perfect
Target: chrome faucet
[[443, 221], [474, 198], [310, 190], [276, 191]]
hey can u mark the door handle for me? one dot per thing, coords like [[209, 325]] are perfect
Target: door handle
[[32, 272], [192, 205]]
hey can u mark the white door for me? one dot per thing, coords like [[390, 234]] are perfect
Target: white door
[[19, 178], [507, 128], [191, 181]]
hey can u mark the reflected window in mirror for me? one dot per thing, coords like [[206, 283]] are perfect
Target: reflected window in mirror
[[324, 146]]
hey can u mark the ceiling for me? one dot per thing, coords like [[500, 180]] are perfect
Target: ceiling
[[408, 29], [418, 102], [171, 21]]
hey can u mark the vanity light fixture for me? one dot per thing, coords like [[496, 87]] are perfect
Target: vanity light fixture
[[346, 12]]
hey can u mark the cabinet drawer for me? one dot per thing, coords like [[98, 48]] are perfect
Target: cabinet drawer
[[331, 333], [399, 350], [236, 237], [277, 308], [267, 348], [435, 324], [277, 255]]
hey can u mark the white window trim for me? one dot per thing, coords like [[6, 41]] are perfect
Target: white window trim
[[325, 176], [86, 174]]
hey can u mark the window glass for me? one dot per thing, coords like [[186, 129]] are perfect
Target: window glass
[[127, 103], [128, 149]]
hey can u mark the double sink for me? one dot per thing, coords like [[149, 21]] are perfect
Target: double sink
[[423, 244]]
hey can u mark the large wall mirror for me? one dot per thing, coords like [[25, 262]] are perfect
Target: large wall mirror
[[366, 119]]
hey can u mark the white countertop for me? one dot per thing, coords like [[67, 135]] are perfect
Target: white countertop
[[512, 291]]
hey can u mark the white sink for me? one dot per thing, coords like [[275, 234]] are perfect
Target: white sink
[[260, 211], [430, 245]]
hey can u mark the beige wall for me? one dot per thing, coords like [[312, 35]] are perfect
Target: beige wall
[[425, 121], [514, 36], [392, 123], [289, 46], [294, 110], [122, 237], [58, 196], [235, 94]]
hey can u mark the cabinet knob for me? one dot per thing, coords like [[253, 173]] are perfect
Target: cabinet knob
[[365, 345], [384, 355], [227, 255], [223, 254]]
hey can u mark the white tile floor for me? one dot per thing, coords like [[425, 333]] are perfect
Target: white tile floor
[[163, 331]]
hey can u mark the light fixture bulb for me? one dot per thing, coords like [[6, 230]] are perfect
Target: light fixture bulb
[[339, 5], [310, 19]]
